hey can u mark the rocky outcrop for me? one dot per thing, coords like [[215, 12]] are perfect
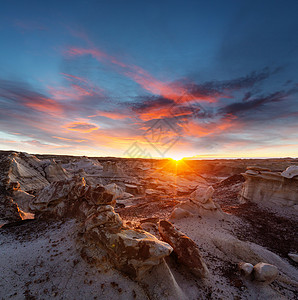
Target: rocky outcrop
[[262, 186], [90, 169], [131, 251], [31, 173], [27, 170], [200, 203], [187, 251], [55, 172]]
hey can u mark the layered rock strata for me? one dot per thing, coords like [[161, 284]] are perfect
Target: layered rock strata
[[266, 187]]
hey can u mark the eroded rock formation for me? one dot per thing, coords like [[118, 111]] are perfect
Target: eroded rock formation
[[200, 203], [131, 251], [266, 187]]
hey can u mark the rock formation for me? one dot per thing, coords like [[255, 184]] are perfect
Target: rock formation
[[263, 186], [200, 203], [187, 251], [131, 251]]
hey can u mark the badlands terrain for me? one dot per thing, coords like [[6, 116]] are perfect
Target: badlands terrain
[[115, 228]]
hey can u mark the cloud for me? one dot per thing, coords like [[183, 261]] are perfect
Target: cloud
[[22, 94], [109, 114], [81, 127], [148, 82], [250, 106]]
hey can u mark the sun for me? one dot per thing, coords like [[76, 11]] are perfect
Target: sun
[[177, 158]]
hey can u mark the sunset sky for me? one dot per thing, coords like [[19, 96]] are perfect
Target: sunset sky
[[150, 78]]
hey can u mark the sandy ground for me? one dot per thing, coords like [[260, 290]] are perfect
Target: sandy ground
[[40, 261]]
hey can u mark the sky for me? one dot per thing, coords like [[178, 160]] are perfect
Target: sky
[[203, 79]]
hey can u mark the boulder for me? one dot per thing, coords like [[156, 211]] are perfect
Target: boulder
[[202, 194], [201, 204], [186, 250], [265, 272], [245, 268]]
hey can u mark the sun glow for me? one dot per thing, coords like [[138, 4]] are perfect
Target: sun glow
[[177, 158]]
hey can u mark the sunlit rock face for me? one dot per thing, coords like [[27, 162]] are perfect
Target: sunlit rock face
[[131, 251], [13, 200], [31, 173], [28, 171], [262, 186]]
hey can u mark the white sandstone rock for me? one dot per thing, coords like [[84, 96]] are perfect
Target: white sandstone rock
[[265, 272], [202, 194], [269, 188]]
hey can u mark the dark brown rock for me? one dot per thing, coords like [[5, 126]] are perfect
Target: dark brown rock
[[187, 251]]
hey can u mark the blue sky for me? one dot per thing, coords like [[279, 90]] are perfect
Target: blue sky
[[172, 78]]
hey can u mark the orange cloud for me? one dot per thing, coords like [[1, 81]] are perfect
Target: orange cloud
[[81, 127], [204, 129], [46, 105], [110, 115], [67, 139]]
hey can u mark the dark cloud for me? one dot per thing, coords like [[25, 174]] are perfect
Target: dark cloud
[[218, 88], [151, 102], [250, 106], [240, 107]]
